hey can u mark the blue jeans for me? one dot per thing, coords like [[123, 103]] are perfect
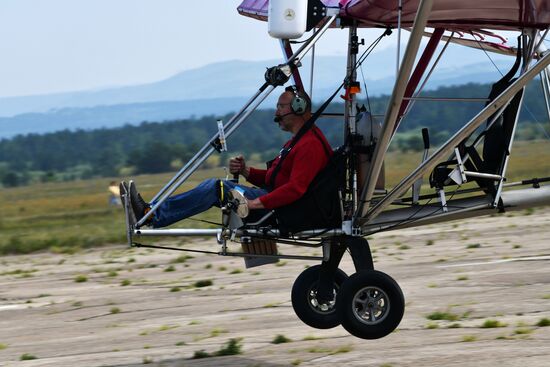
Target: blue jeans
[[197, 200]]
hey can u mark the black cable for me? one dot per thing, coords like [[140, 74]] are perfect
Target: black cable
[[205, 221], [368, 104], [410, 220]]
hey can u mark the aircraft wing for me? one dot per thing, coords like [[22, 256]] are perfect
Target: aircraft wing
[[449, 14]]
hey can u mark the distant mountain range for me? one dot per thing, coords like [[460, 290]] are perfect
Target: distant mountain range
[[217, 89]]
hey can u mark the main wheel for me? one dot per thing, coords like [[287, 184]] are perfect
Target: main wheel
[[305, 304], [371, 304]]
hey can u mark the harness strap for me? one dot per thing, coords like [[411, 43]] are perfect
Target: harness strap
[[308, 125]]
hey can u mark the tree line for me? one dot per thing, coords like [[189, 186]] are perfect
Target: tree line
[[154, 147]]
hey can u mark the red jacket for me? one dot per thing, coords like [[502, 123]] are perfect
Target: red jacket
[[298, 169]]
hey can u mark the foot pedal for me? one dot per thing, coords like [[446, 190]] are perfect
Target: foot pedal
[[240, 205]]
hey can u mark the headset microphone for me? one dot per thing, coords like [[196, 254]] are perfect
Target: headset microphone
[[280, 118]]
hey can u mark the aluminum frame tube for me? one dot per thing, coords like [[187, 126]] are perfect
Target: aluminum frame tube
[[286, 50], [419, 70], [298, 55], [307, 46], [177, 180], [200, 160], [482, 175], [443, 99], [528, 58], [457, 209], [448, 147], [177, 232], [427, 78], [545, 90], [205, 147], [394, 105], [350, 112], [311, 71]]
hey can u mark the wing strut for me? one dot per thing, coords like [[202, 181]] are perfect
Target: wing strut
[[500, 101], [275, 76], [394, 105]]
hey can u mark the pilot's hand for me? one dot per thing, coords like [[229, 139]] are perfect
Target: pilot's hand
[[255, 204], [237, 165]]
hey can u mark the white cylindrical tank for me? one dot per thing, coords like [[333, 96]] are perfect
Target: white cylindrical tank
[[287, 19]]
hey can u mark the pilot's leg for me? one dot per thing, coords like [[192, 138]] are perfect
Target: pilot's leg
[[187, 204]]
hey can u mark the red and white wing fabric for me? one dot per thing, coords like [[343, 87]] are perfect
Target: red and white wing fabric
[[448, 14]]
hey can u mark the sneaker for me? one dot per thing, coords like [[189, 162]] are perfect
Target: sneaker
[[139, 206]]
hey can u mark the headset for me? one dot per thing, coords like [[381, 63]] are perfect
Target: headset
[[299, 103]]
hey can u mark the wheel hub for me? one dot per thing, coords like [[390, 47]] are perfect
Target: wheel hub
[[325, 307], [371, 305]]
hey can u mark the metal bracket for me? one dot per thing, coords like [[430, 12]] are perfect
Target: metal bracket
[[326, 250], [278, 75], [460, 165], [129, 216], [442, 199]]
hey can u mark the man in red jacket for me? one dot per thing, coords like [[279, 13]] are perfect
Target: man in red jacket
[[279, 186]]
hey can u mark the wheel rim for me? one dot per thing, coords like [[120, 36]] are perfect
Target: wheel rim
[[322, 308], [371, 305]]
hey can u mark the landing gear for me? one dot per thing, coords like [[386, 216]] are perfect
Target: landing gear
[[371, 304], [311, 309]]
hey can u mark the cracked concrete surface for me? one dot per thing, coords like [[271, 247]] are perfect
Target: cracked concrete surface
[[141, 307]]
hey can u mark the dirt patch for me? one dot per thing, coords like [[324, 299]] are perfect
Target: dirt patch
[[129, 307]]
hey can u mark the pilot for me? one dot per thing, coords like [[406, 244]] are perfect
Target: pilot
[[275, 186]]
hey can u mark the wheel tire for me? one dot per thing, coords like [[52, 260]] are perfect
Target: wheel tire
[[370, 304], [304, 302]]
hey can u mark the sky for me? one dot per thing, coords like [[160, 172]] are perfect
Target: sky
[[52, 46]]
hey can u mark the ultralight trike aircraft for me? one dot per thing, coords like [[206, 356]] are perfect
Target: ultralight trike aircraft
[[348, 201]]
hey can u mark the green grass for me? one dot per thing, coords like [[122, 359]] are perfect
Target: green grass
[[489, 324], [217, 332], [200, 354], [66, 217], [27, 357], [543, 322], [311, 337], [280, 339], [203, 283], [81, 279], [147, 360], [432, 325], [232, 347], [447, 316], [180, 259]]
